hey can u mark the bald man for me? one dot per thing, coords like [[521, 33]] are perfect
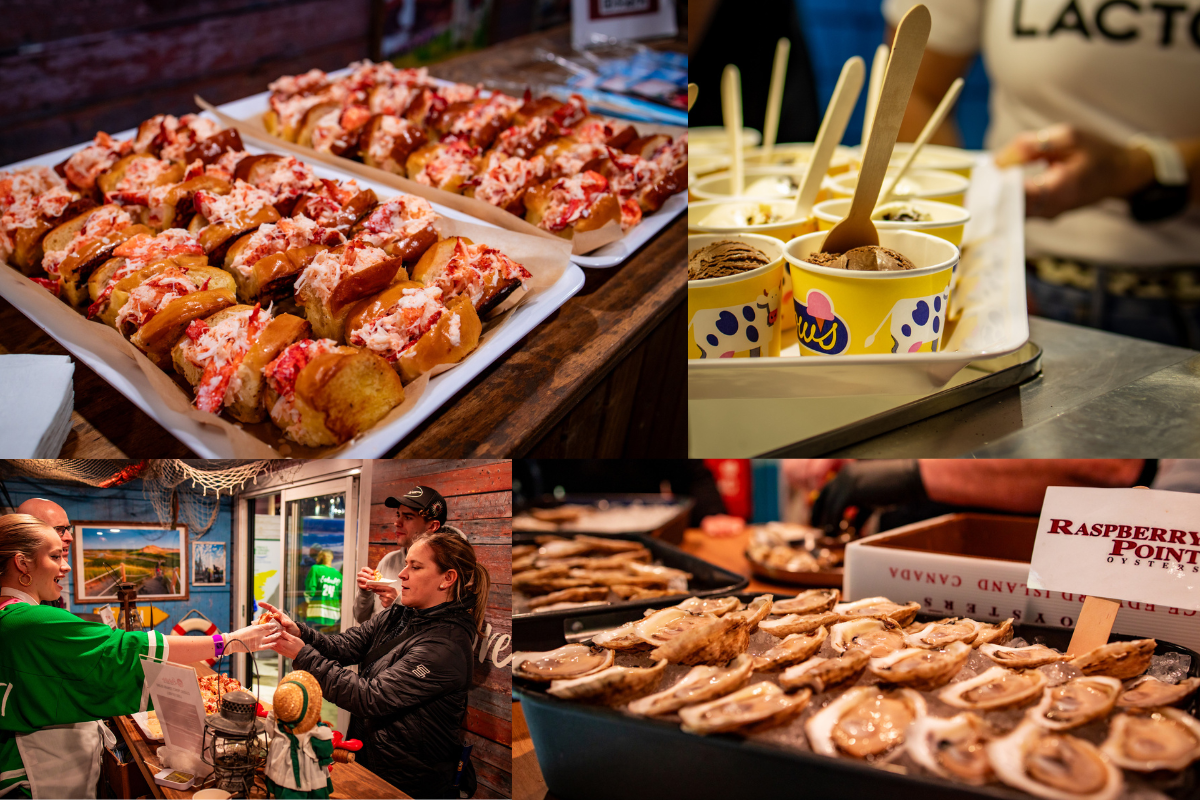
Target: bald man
[[53, 515]]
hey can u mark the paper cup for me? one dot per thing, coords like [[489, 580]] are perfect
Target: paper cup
[[917, 184], [737, 316], [212, 794], [768, 183], [799, 154], [948, 221], [714, 139], [700, 221], [936, 156], [845, 312]]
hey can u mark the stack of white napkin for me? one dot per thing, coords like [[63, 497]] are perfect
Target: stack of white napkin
[[37, 396]]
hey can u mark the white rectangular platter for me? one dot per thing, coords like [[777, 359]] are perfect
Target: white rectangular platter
[[89, 343], [609, 255], [994, 322]]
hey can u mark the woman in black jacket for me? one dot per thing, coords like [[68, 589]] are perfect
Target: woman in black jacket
[[409, 695]]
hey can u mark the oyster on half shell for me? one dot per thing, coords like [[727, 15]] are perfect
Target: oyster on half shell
[[1148, 692], [793, 649], [1054, 766], [880, 607], [798, 623], [665, 625], [823, 674], [623, 637], [936, 635], [994, 633], [613, 686], [718, 640], [1122, 660], [877, 636], [758, 706], [1031, 657], [865, 722], [720, 606], [953, 747], [702, 683], [813, 601], [921, 669], [568, 661], [995, 688], [1164, 738], [1076, 702]]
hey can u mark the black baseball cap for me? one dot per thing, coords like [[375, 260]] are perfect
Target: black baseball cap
[[428, 502]]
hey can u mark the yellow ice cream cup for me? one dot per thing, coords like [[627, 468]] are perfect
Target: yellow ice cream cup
[[723, 216], [936, 156], [848, 312], [737, 316], [947, 221], [768, 183], [917, 184], [799, 154], [713, 139]]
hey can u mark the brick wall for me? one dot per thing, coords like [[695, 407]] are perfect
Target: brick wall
[[479, 502]]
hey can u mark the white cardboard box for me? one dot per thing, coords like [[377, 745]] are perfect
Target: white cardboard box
[[976, 565]]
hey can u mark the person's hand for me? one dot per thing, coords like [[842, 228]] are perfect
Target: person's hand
[[283, 643], [865, 486], [251, 637], [365, 574], [722, 526], [284, 620], [807, 474], [1081, 169], [387, 595]]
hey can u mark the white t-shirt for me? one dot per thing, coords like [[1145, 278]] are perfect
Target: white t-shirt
[[1111, 67]]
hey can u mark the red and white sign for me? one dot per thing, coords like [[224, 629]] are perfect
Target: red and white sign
[[620, 19], [1126, 544]]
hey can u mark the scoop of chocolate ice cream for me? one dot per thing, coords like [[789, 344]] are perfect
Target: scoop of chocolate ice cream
[[869, 258], [721, 259]]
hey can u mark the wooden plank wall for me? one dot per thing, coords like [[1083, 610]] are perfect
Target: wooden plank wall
[[72, 67], [479, 502]]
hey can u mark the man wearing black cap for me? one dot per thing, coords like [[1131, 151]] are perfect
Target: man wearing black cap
[[422, 509]]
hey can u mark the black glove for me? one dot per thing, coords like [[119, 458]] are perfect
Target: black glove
[[867, 485]]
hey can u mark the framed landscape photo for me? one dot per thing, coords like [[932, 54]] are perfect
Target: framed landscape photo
[[149, 556], [208, 563]]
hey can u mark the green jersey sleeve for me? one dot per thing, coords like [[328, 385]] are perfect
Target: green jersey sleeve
[[57, 668]]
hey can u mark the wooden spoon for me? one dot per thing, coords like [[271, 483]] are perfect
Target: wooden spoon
[[935, 122], [731, 101], [693, 90], [878, 67], [833, 127], [775, 96], [857, 230]]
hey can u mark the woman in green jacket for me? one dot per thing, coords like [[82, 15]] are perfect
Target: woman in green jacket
[[60, 674]]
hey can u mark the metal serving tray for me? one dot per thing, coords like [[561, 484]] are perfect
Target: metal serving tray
[[549, 629], [671, 531], [597, 752]]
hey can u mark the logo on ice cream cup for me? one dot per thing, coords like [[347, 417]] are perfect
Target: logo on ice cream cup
[[818, 327]]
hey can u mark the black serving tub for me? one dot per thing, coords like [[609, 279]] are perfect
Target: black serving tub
[[597, 753], [671, 530], [549, 629]]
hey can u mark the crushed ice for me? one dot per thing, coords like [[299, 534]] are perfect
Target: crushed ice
[[1170, 667]]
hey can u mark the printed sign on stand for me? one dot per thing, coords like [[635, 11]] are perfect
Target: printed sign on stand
[[1131, 544], [621, 19], [177, 704]]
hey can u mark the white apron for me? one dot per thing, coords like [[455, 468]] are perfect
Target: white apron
[[63, 761], [279, 757]]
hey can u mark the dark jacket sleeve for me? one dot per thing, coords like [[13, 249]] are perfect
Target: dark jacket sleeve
[[349, 647], [429, 669]]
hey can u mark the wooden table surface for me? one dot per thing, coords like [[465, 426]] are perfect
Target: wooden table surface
[[600, 377], [349, 780]]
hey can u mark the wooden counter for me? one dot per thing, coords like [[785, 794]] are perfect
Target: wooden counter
[[349, 780], [601, 378]]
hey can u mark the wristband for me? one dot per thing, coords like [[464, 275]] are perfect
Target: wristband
[[1168, 194], [218, 645]]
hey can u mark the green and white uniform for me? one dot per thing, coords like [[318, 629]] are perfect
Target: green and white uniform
[[58, 675], [324, 595]]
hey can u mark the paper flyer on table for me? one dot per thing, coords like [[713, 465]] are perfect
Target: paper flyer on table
[[177, 703]]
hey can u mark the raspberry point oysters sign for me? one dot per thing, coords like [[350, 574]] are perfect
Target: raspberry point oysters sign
[[1128, 544]]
